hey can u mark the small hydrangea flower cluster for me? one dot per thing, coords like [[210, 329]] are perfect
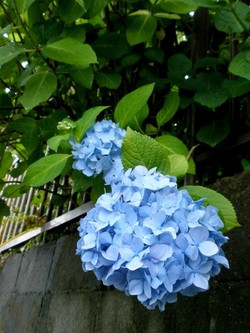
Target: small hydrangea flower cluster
[[100, 150], [149, 239]]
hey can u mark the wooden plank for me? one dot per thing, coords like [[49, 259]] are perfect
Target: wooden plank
[[60, 220]]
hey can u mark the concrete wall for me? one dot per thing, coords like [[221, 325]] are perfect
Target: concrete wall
[[45, 290]]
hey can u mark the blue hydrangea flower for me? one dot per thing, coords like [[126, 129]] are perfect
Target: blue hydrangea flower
[[151, 240], [100, 149]]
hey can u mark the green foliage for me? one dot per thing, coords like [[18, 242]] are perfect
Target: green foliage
[[177, 80], [70, 51], [38, 88], [175, 146], [128, 109], [4, 209], [170, 107], [141, 28], [240, 65], [138, 149], [45, 169]]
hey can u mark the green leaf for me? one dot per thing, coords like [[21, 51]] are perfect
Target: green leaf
[[151, 130], [179, 67], [167, 16], [176, 146], [208, 62], [131, 104], [214, 132], [9, 52], [31, 140], [155, 54], [94, 7], [98, 188], [210, 91], [5, 101], [84, 77], [58, 200], [177, 6], [104, 45], [211, 98], [5, 163], [141, 29], [186, 6], [245, 164], [38, 89], [240, 65], [86, 121], [138, 149], [23, 124], [23, 5], [180, 64], [225, 208], [45, 169], [106, 79], [232, 20], [237, 87], [70, 51], [169, 108], [136, 122], [70, 10], [130, 59], [56, 141], [19, 170], [178, 165], [4, 209], [80, 181], [15, 191]]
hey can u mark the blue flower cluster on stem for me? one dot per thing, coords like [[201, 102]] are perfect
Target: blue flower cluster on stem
[[100, 149], [151, 240]]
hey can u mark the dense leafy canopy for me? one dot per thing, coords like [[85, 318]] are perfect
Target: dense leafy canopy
[[171, 70]]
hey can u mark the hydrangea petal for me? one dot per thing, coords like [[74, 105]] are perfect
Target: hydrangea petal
[[208, 248], [134, 264], [111, 253], [161, 252], [200, 281], [135, 287]]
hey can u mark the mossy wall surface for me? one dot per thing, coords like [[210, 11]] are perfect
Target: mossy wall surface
[[45, 290]]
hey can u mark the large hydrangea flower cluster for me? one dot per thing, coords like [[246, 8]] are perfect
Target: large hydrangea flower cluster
[[151, 240], [100, 149]]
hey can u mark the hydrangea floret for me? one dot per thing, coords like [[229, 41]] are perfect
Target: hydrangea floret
[[100, 149], [151, 240]]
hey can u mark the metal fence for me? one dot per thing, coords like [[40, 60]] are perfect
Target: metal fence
[[35, 211]]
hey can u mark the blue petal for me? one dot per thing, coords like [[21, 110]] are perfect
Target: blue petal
[[199, 234], [134, 264], [126, 253], [112, 253], [137, 244], [147, 289], [161, 252], [135, 287], [89, 241], [195, 216], [200, 281], [221, 260], [182, 242], [208, 248], [192, 252]]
